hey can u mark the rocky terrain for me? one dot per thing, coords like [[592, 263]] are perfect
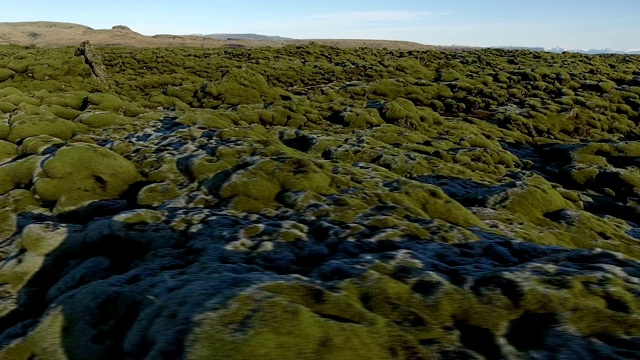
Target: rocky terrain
[[311, 202], [56, 34]]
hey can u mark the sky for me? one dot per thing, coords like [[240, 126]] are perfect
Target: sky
[[573, 24]]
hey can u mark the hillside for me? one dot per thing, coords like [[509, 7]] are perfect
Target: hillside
[[315, 202]]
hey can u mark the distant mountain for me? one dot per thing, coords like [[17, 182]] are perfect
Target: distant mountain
[[594, 51], [255, 37], [56, 34], [559, 50]]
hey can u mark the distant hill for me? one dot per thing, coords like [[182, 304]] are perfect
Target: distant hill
[[56, 34], [594, 51], [256, 37], [559, 50]]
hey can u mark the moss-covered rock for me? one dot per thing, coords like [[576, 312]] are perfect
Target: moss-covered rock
[[6, 107], [237, 87], [155, 194], [45, 341], [26, 126], [318, 338], [7, 151], [18, 173], [531, 199], [20, 200], [6, 74], [101, 119], [403, 113], [79, 173], [40, 144]]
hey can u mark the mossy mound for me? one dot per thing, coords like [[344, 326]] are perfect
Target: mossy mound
[[24, 126], [6, 74], [238, 87], [531, 198], [101, 119], [40, 144], [20, 200], [7, 151], [76, 100], [403, 113], [256, 186], [155, 194], [18, 173], [317, 337], [79, 173], [386, 315]]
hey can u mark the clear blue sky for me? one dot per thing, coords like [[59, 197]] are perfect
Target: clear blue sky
[[566, 23]]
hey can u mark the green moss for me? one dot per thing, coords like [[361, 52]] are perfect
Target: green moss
[[80, 173], [8, 91], [430, 117], [361, 118], [6, 74], [100, 120], [448, 75], [237, 87], [7, 151], [8, 222], [17, 174], [402, 113], [19, 200], [256, 183], [106, 102], [4, 130], [61, 111], [438, 205], [317, 338], [607, 86], [531, 199], [44, 341], [18, 99], [31, 125], [6, 107], [38, 144], [155, 194], [140, 216], [73, 100]]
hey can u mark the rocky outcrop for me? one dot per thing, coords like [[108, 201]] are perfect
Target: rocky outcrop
[[94, 61]]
